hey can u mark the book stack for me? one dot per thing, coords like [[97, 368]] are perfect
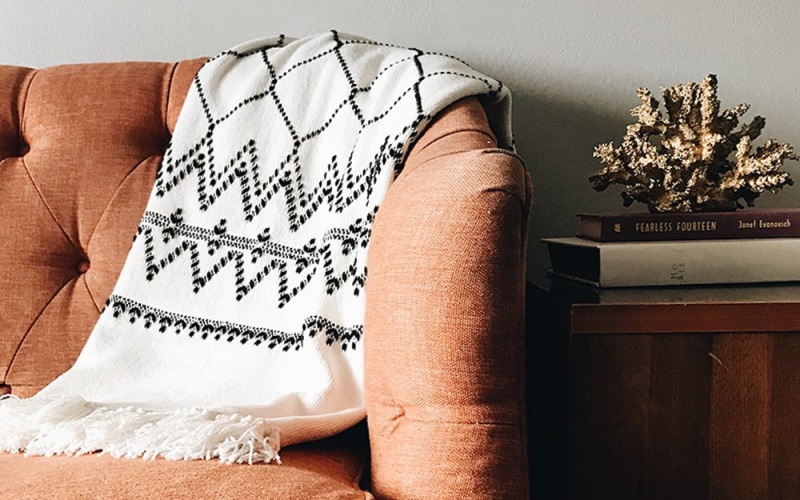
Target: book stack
[[645, 249]]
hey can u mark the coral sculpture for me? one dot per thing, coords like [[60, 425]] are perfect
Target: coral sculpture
[[692, 160]]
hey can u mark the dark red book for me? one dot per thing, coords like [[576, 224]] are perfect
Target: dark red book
[[638, 226]]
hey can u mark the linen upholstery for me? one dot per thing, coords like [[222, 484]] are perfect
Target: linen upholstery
[[79, 149], [444, 351], [80, 146], [327, 469]]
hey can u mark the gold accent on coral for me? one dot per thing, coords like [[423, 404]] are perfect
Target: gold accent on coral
[[692, 160]]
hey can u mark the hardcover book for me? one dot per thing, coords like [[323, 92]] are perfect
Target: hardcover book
[[573, 291], [659, 263], [760, 223]]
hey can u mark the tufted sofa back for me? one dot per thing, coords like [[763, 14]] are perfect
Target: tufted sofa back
[[79, 149], [444, 364]]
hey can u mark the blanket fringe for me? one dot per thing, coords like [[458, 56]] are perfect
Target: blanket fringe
[[74, 427]]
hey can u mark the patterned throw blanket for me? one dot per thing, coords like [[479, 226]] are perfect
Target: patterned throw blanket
[[236, 322]]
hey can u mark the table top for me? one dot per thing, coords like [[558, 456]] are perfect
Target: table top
[[677, 309]]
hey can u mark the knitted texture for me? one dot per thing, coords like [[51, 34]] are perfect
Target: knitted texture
[[236, 322]]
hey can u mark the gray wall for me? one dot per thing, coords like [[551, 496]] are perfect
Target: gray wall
[[573, 66]]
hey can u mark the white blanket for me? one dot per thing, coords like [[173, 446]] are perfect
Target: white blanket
[[236, 322]]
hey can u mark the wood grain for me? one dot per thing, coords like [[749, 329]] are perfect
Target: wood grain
[[784, 429], [685, 318], [739, 430], [695, 399], [676, 461], [640, 416], [609, 419]]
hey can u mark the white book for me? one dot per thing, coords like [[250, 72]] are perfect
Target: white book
[[689, 262]]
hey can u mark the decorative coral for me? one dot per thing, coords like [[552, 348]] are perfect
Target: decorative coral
[[692, 160]]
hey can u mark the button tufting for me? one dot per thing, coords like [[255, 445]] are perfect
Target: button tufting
[[82, 266]]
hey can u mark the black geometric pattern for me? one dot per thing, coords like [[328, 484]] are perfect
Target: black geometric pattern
[[209, 252], [339, 187], [251, 172], [163, 321]]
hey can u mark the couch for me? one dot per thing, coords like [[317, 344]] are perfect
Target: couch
[[79, 149]]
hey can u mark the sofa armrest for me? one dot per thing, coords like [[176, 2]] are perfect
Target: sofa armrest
[[444, 323]]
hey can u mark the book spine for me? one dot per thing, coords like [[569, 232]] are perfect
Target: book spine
[[700, 262], [670, 227]]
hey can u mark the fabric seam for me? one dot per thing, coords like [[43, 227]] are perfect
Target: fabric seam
[[91, 295], [508, 192], [75, 246], [167, 133], [461, 422], [23, 116], [30, 327], [521, 198], [453, 132], [114, 195]]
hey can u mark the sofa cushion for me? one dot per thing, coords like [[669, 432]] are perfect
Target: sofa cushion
[[329, 469], [79, 149]]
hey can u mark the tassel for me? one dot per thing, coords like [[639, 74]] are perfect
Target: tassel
[[75, 427]]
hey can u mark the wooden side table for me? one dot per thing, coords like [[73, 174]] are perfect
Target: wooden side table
[[664, 392]]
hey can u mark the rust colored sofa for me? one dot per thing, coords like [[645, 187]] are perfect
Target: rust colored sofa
[[79, 150]]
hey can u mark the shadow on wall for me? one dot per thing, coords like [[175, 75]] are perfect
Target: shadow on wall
[[556, 138]]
